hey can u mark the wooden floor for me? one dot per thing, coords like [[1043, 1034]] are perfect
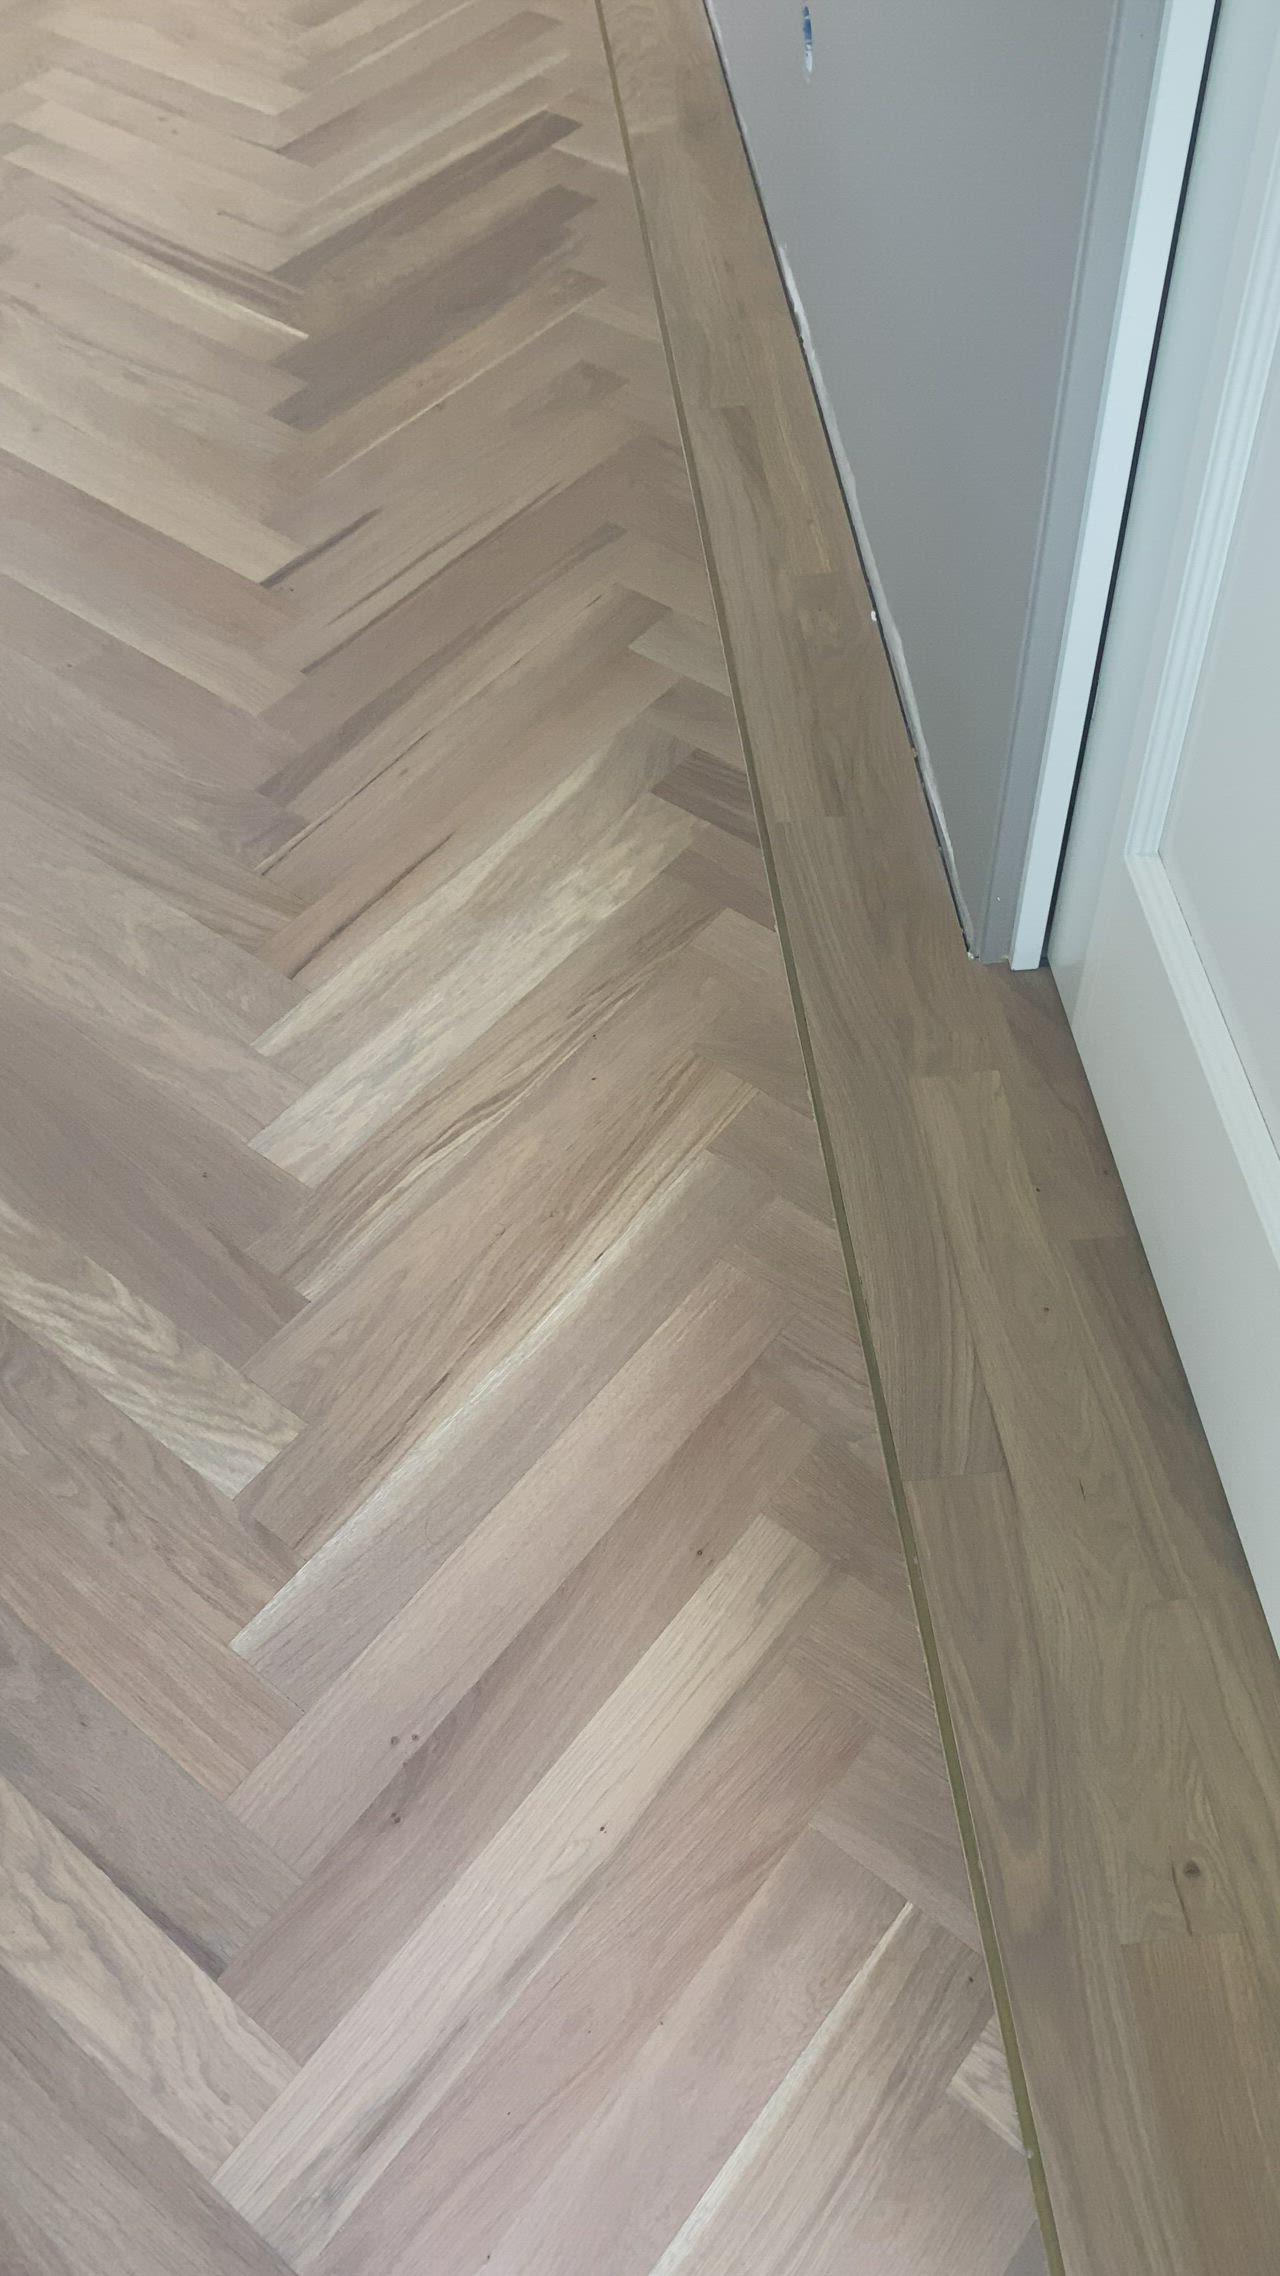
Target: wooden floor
[[471, 1796], [1113, 1694]]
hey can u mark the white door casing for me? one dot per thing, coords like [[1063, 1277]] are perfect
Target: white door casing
[[1185, 36], [1164, 1048]]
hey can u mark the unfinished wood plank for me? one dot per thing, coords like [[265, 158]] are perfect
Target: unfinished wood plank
[[182, 1394], [343, 1596], [801, 2182], [453, 1793], [667, 1899], [338, 1755], [135, 2195], [300, 2173], [124, 1994], [636, 2170], [170, 1848]]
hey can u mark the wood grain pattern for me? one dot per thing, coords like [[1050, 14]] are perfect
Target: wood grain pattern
[[303, 2170], [463, 1729], [1114, 1695], [122, 1992], [168, 1845]]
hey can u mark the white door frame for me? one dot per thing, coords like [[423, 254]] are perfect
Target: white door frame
[[1204, 1179], [1185, 36]]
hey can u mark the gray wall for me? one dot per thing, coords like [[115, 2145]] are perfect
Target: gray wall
[[950, 192]]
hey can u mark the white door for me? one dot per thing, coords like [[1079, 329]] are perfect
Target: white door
[[1166, 944]]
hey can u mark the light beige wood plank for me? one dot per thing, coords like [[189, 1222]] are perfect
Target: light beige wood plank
[[893, 1811], [633, 2175], [171, 1850], [300, 2173], [182, 1394], [448, 1799], [800, 2184], [338, 1755], [982, 2084], [125, 1995], [665, 1902], [88, 2178]]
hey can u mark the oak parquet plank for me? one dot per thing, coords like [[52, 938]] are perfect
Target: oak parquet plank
[[330, 1118], [491, 1279], [142, 1640], [147, 590], [211, 66], [450, 1797], [1030, 2260], [367, 682], [359, 1205], [225, 1081], [495, 840], [461, 1469], [54, 377], [196, 490], [62, 899], [379, 426], [982, 2084], [103, 180], [508, 51], [175, 1853], [353, 574], [183, 1394], [389, 235], [195, 96], [246, 168], [149, 850], [700, 715], [839, 1502], [624, 2188], [417, 803], [730, 871], [705, 785], [890, 1812], [970, 2221], [430, 312], [153, 739], [692, 650], [190, 1160], [339, 1754], [672, 1894], [136, 2200], [125, 1995], [801, 2184], [71, 1159], [117, 1489], [302, 2170], [201, 380]]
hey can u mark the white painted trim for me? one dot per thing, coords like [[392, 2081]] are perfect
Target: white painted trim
[[1253, 353], [1215, 1047], [1179, 70]]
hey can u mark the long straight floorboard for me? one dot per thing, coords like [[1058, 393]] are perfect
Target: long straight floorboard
[[470, 1793], [1110, 1688]]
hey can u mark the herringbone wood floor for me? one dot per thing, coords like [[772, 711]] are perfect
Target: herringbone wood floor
[[471, 1797]]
